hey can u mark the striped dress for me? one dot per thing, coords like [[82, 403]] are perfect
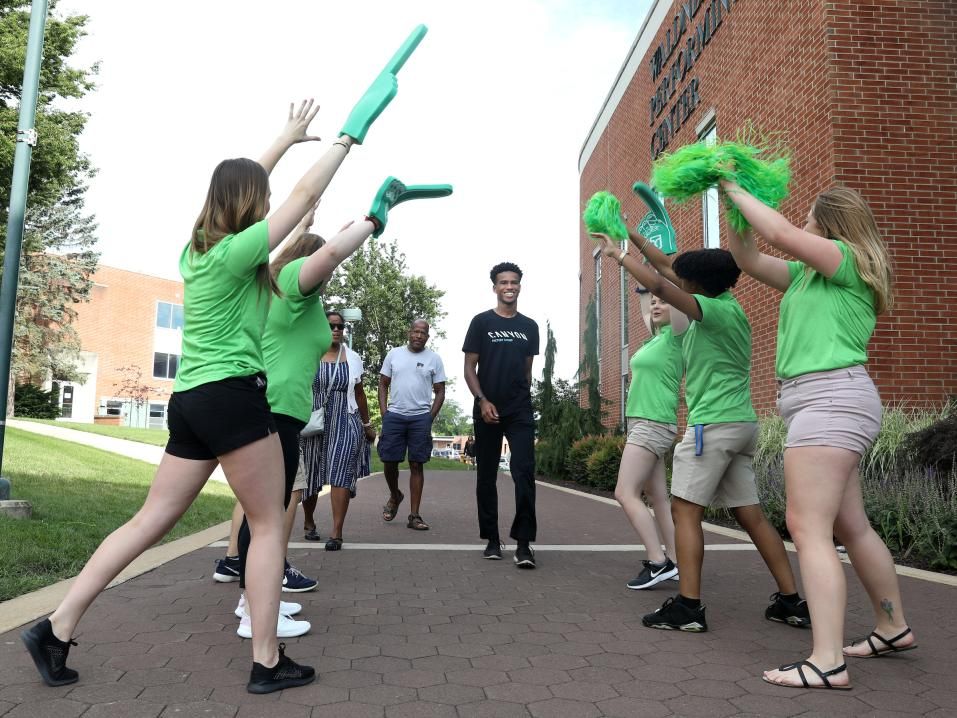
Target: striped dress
[[340, 455]]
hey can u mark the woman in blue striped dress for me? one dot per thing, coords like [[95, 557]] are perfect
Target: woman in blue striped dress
[[340, 455]]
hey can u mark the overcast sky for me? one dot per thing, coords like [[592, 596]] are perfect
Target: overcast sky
[[497, 101]]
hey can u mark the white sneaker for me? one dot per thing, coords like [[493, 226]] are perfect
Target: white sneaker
[[286, 628], [285, 608]]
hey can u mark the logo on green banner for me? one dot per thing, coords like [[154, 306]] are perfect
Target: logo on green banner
[[660, 234]]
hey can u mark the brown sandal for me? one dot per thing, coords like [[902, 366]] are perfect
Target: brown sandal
[[391, 508], [416, 522]]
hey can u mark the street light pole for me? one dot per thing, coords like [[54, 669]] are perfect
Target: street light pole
[[26, 139]]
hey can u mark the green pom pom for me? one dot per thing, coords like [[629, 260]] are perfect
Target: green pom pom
[[759, 164], [603, 215]]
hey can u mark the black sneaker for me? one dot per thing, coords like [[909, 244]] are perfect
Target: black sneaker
[[675, 616], [793, 613], [653, 574], [227, 570], [493, 551], [524, 556], [49, 654], [285, 674]]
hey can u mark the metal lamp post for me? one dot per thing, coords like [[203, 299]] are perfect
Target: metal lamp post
[[349, 316], [26, 139]]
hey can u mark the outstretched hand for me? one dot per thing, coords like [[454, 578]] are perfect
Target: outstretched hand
[[605, 244], [297, 125]]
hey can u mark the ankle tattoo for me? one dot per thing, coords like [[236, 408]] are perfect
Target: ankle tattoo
[[888, 608]]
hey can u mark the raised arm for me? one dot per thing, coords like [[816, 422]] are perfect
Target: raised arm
[[659, 260], [295, 131], [323, 262], [772, 271], [819, 253], [658, 285]]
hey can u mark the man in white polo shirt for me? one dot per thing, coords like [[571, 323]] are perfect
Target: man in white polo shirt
[[411, 393]]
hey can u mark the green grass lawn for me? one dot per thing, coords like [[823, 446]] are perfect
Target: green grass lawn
[[79, 496], [157, 437]]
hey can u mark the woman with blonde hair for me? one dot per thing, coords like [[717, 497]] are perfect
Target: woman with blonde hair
[[837, 283], [218, 413], [652, 426]]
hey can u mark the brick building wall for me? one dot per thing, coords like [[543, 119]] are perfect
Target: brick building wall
[[118, 325], [864, 93]]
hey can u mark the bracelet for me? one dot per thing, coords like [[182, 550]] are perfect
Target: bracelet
[[479, 398], [621, 257], [342, 144], [367, 426]]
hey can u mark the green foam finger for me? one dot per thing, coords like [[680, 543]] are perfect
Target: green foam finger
[[393, 192], [656, 225], [405, 52]]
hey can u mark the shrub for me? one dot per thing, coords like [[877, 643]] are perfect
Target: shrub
[[935, 445], [576, 464], [30, 401], [602, 466]]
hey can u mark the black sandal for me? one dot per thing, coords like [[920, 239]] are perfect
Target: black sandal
[[799, 666], [888, 642], [416, 522], [312, 535], [334, 544], [391, 508]]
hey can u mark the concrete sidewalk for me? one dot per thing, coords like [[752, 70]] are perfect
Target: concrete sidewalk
[[427, 628], [132, 449]]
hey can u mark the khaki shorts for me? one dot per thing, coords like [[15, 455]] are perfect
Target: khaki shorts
[[839, 408], [722, 475], [301, 483], [654, 436]]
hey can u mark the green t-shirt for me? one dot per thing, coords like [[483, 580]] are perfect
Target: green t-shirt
[[297, 335], [656, 370], [825, 323], [717, 354], [224, 309]]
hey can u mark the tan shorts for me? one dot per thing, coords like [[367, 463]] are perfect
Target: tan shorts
[[654, 436], [722, 475], [839, 408], [301, 482]]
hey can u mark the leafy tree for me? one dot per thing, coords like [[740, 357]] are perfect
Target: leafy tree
[[132, 387], [57, 166], [588, 379], [34, 403], [57, 257], [376, 280], [452, 421], [560, 417], [56, 273]]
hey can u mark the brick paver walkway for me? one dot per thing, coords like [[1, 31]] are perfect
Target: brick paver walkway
[[434, 633]]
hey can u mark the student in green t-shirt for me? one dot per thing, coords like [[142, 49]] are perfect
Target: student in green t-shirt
[[651, 413], [838, 283], [218, 413], [712, 464]]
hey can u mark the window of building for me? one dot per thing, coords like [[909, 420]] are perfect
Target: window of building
[[169, 316], [709, 201], [165, 365], [66, 402], [111, 407], [157, 419]]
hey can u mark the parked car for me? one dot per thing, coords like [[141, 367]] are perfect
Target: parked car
[[504, 464], [447, 453]]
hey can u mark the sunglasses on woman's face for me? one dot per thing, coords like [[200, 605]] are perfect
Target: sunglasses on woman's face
[[336, 326]]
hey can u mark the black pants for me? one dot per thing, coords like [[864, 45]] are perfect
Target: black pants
[[519, 429], [288, 429]]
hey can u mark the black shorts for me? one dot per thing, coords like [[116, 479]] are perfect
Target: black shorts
[[213, 419]]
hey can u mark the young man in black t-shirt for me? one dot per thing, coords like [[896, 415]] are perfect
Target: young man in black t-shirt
[[501, 344]]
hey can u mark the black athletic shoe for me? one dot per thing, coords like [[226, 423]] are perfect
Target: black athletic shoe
[[285, 674], [49, 654], [524, 556], [493, 551], [675, 616], [227, 570], [793, 613], [653, 574]]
